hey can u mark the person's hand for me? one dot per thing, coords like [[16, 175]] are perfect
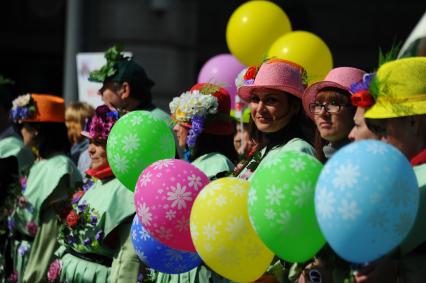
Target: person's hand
[[384, 270]]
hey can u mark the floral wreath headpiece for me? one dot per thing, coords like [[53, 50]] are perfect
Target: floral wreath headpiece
[[191, 109], [99, 126], [23, 107]]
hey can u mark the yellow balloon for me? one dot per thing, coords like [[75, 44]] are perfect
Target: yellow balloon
[[252, 28], [306, 49], [222, 233]]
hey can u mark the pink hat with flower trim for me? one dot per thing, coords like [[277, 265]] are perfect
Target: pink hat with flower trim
[[341, 78], [99, 126], [274, 74]]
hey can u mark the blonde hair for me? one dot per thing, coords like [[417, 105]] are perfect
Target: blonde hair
[[75, 118]]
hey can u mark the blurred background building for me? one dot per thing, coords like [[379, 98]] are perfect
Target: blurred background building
[[172, 39]]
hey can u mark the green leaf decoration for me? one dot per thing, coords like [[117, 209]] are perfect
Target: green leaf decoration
[[112, 55], [384, 58]]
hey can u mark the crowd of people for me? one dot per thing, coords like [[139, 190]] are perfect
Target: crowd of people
[[65, 217]]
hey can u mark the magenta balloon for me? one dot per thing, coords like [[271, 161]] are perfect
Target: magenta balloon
[[222, 69]]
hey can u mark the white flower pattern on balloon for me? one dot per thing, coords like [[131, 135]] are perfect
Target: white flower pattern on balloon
[[164, 233], [270, 213], [145, 214], [210, 231], [284, 218], [112, 141], [237, 189], [170, 214], [145, 179], [183, 224], [144, 235], [194, 230], [194, 181], [252, 198], [297, 164], [179, 196], [166, 163], [325, 203], [349, 210], [131, 143], [302, 194], [236, 228], [346, 176], [376, 148], [274, 195], [221, 200], [121, 163], [136, 120]]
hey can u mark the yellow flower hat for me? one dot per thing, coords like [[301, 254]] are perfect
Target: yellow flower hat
[[399, 89]]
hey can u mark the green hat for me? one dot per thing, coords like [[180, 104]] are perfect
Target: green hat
[[120, 68], [399, 89]]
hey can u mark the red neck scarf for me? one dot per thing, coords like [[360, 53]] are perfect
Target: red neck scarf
[[419, 159], [101, 173]]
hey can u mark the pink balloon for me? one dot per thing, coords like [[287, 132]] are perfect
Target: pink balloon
[[164, 195], [222, 69]]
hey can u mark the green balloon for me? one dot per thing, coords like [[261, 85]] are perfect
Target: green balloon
[[136, 140], [281, 205]]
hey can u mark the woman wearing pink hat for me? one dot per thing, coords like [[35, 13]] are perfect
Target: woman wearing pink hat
[[277, 121], [328, 103]]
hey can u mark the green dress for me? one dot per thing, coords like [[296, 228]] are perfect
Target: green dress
[[100, 250], [11, 146], [49, 181], [211, 164]]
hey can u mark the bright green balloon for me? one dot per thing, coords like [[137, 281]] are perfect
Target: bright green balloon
[[135, 141], [281, 205]]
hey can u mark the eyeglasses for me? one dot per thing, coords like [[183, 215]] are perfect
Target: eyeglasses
[[328, 107]]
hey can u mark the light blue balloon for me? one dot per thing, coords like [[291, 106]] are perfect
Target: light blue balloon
[[159, 256], [366, 200]]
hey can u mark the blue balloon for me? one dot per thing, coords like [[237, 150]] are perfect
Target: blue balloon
[[159, 256], [366, 200]]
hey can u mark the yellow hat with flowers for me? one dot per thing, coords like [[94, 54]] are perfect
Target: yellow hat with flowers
[[399, 89]]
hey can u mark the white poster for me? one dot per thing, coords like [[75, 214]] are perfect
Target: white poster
[[86, 63]]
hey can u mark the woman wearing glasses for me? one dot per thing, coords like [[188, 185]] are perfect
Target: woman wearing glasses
[[328, 103]]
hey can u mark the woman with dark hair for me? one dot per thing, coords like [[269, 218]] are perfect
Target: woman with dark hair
[[277, 121], [204, 131], [51, 179], [329, 105]]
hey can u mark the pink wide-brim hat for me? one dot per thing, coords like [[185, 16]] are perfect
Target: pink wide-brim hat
[[277, 74], [341, 78]]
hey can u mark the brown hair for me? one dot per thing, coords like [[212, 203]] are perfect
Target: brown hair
[[329, 94], [75, 118]]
